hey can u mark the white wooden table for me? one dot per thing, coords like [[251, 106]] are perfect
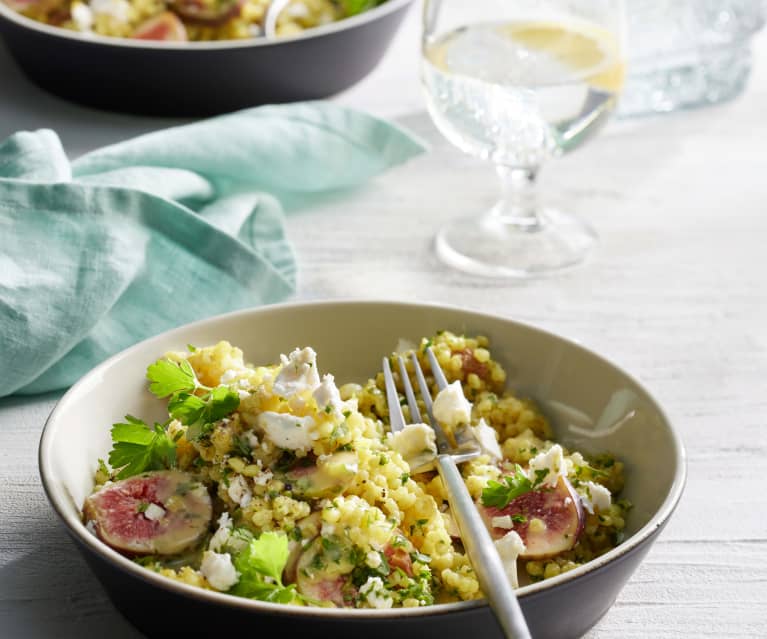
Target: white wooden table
[[676, 293]]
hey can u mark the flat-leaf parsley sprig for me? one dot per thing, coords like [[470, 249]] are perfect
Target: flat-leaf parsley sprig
[[499, 494], [260, 565], [192, 403], [137, 447]]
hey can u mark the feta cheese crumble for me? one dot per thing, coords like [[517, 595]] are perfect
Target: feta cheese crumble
[[553, 462], [416, 443], [375, 594], [239, 491], [509, 547], [504, 521], [451, 406], [287, 431], [82, 16], [328, 397], [299, 373], [222, 535], [118, 9], [487, 439], [219, 570], [594, 496], [154, 512]]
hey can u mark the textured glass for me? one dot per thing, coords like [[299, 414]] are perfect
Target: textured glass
[[688, 53]]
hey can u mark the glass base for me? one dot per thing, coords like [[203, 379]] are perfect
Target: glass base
[[496, 247]]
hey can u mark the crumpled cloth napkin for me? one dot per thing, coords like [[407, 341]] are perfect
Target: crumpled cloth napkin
[[148, 234]]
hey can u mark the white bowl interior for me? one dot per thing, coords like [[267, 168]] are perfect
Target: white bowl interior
[[593, 405]]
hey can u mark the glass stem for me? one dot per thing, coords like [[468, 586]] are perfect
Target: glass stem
[[518, 206]]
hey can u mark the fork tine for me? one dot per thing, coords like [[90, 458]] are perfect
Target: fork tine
[[396, 418], [443, 445], [415, 413], [436, 369]]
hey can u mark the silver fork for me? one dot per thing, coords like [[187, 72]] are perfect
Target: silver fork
[[477, 541]]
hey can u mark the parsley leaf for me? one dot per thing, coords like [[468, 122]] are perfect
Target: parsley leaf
[[501, 494], [198, 411], [260, 565], [169, 377], [136, 447]]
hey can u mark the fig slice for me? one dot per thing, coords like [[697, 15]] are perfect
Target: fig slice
[[159, 513], [324, 572], [549, 520], [328, 477], [198, 12], [165, 26]]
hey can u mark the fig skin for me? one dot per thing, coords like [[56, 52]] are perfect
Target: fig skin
[[118, 512], [559, 508], [165, 26]]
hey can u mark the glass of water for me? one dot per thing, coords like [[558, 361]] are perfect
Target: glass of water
[[517, 82]]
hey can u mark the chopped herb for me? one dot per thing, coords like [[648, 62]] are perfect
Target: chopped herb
[[328, 409], [346, 413], [136, 447], [500, 495], [179, 382], [518, 519], [383, 460], [540, 475], [404, 477], [191, 348], [142, 506]]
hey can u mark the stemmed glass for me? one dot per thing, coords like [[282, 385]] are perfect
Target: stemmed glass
[[516, 82]]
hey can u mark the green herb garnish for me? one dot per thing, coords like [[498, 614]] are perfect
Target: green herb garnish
[[197, 411], [136, 447], [260, 566], [499, 494]]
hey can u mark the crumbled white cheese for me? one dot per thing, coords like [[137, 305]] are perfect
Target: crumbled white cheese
[[118, 9], [251, 438], [218, 569], [416, 444], [328, 397], [553, 462], [243, 394], [509, 547], [375, 594], [328, 529], [286, 430], [297, 10], [228, 376], [504, 521], [488, 440], [222, 535], [404, 346], [594, 496], [239, 491], [263, 478], [154, 512], [451, 406], [373, 559], [82, 16], [298, 373]]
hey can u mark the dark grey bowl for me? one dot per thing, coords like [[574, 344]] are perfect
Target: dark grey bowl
[[200, 78], [593, 404]]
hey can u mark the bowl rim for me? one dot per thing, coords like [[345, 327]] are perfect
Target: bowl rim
[[59, 498], [390, 6]]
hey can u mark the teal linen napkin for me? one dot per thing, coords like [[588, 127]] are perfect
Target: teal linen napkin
[[141, 236]]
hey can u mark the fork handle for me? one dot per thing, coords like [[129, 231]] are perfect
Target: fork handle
[[481, 550]]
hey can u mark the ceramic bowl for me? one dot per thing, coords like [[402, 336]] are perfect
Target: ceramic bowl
[[593, 405], [200, 78]]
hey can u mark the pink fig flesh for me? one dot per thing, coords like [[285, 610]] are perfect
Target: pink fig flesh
[[156, 513]]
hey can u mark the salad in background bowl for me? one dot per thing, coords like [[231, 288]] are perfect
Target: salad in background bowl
[[144, 57]]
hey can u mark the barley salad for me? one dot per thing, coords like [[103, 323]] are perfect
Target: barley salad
[[181, 20], [270, 482]]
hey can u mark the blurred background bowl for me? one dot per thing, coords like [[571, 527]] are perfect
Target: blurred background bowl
[[200, 78], [593, 405]]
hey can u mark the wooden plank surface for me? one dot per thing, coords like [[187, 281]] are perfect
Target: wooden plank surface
[[675, 293]]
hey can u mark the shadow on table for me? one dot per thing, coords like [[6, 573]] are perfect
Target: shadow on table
[[50, 592]]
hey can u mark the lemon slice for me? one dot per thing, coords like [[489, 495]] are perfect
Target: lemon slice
[[585, 49]]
